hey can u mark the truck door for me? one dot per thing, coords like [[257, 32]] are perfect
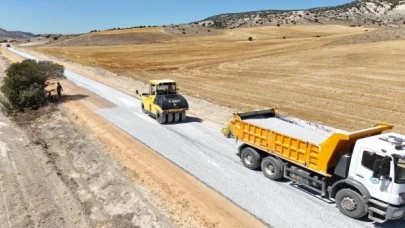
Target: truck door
[[379, 188]]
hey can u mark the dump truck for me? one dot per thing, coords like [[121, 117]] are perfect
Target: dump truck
[[362, 171], [163, 102]]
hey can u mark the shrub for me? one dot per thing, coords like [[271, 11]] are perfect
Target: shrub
[[316, 20], [184, 32], [24, 85], [284, 37], [55, 38], [278, 25], [250, 38], [209, 30]]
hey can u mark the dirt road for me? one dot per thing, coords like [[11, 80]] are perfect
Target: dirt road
[[168, 191]]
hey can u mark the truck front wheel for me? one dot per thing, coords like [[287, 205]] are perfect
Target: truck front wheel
[[160, 118], [250, 158], [350, 203], [143, 109]]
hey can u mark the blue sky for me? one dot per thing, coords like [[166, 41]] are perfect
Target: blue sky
[[78, 16]]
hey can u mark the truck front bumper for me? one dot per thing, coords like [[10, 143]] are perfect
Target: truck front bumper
[[395, 212]]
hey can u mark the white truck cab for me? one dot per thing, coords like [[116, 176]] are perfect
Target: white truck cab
[[378, 163]]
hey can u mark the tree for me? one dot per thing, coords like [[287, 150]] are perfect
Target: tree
[[25, 82]]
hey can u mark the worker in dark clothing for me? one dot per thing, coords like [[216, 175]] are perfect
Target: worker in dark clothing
[[59, 89]]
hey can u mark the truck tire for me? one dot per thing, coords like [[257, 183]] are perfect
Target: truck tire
[[250, 158], [177, 117], [160, 118], [272, 168], [170, 117], [350, 203], [183, 116]]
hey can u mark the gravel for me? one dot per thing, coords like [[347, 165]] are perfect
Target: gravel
[[301, 129], [289, 129], [209, 156]]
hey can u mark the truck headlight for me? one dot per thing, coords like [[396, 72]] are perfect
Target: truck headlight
[[398, 214]]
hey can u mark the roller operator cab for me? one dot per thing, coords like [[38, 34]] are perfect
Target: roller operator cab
[[362, 171], [163, 102]]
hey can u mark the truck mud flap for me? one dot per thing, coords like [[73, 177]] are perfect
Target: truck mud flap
[[322, 191]]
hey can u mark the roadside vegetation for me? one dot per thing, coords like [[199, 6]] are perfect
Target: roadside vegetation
[[24, 85]]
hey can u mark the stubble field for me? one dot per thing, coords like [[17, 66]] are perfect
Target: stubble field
[[347, 86]]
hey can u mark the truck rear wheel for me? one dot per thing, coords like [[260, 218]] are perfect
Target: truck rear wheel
[[160, 118], [183, 116], [250, 158], [350, 203], [177, 117], [271, 168], [170, 117]]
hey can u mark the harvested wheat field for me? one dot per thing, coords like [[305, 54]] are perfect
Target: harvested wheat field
[[348, 86]]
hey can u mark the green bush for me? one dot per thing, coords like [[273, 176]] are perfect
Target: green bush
[[25, 82]]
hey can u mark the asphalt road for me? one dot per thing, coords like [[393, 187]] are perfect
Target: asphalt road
[[210, 157]]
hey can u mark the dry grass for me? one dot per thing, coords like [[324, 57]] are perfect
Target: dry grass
[[346, 86], [134, 30]]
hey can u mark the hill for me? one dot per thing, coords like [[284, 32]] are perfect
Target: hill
[[360, 12], [4, 34]]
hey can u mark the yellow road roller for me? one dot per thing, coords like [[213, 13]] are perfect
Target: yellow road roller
[[163, 102]]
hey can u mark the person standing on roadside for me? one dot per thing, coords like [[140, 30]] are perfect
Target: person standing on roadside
[[59, 89]]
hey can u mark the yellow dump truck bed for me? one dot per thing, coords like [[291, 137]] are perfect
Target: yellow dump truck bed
[[306, 144]]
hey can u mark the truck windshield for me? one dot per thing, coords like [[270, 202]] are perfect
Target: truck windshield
[[400, 170]]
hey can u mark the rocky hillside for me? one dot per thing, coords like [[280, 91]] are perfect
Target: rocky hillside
[[4, 34], [360, 12]]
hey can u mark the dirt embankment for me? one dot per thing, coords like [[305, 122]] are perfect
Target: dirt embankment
[[53, 173]]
